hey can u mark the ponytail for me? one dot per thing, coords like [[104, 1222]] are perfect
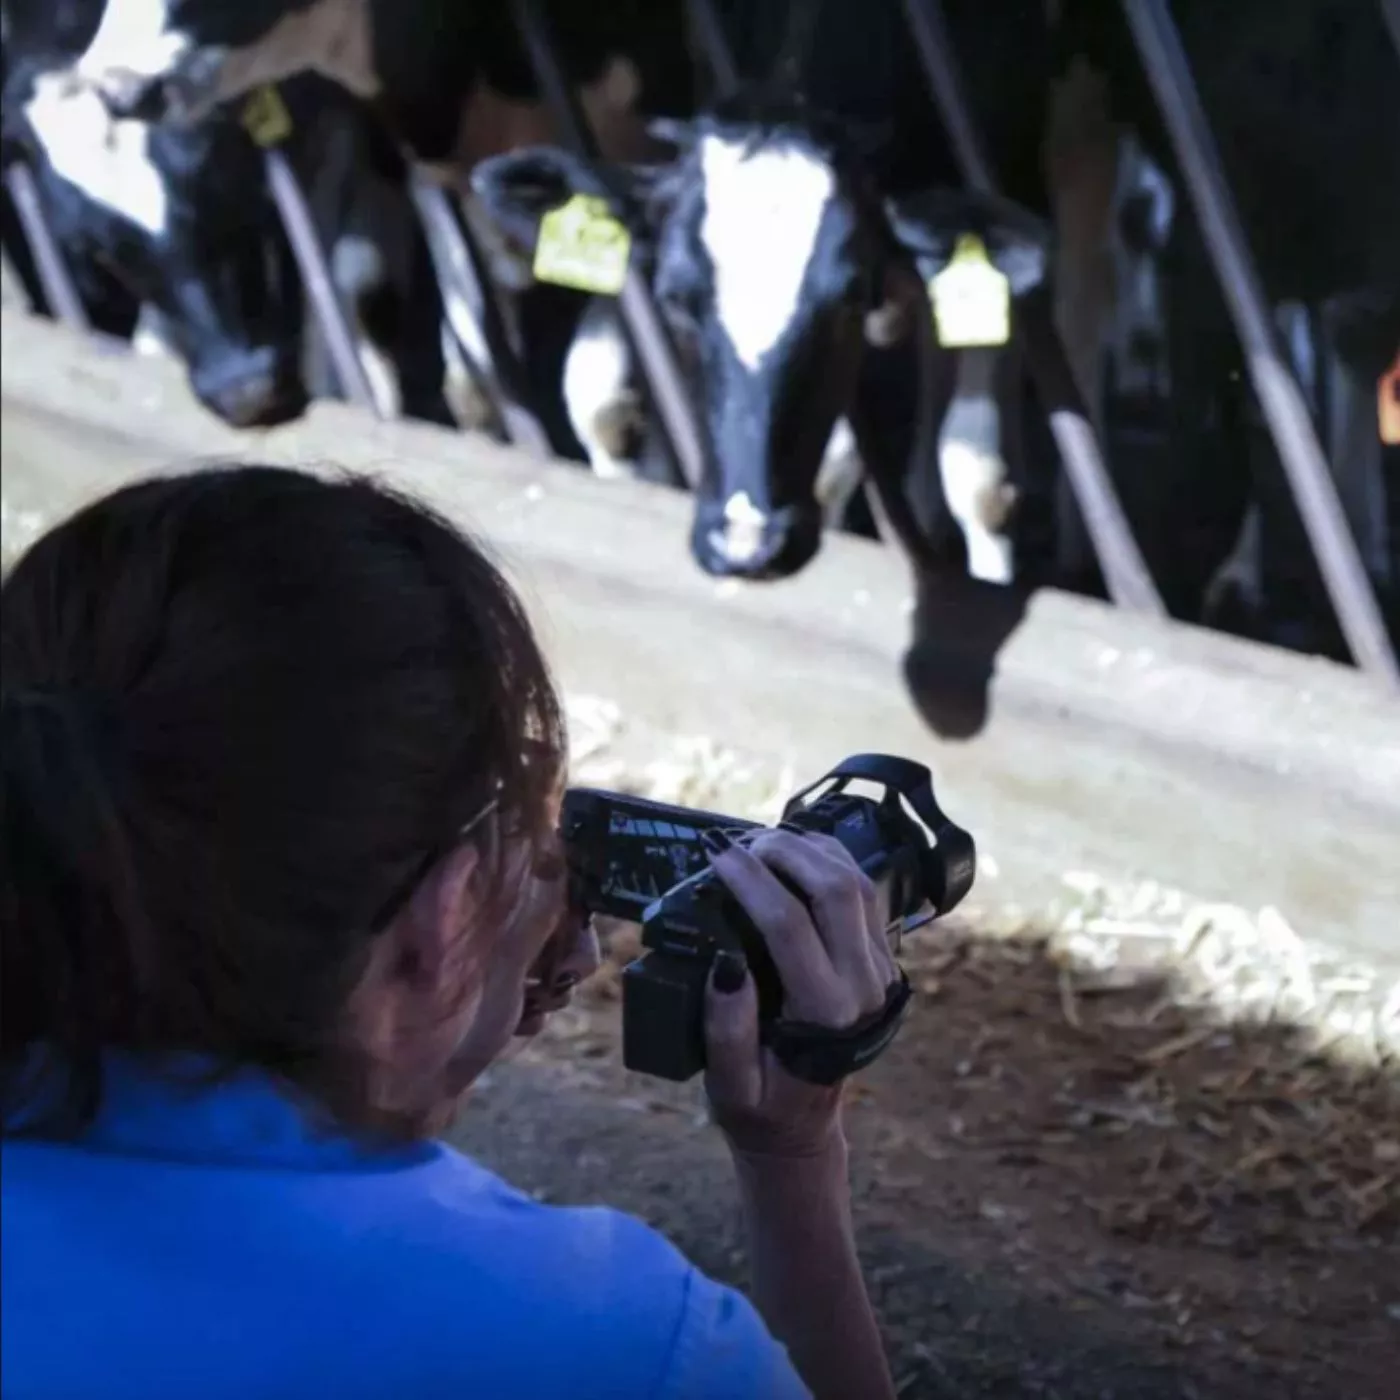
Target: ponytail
[[67, 888]]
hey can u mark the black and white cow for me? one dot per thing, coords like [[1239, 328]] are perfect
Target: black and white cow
[[180, 219], [797, 294]]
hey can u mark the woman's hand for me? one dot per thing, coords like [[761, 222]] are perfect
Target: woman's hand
[[835, 966]]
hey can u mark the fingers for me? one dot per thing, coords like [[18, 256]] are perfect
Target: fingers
[[831, 953], [876, 915], [733, 1067], [886, 969], [812, 989], [843, 902]]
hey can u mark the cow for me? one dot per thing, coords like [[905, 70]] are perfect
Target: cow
[[179, 220], [797, 296]]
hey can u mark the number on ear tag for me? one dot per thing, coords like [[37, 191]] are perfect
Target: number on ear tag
[[1388, 404], [265, 116], [582, 246], [971, 298]]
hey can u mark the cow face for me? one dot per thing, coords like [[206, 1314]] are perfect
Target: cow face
[[181, 220], [178, 59], [776, 264], [765, 253]]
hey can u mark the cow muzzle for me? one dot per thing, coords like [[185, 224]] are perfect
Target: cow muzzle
[[734, 538], [254, 389]]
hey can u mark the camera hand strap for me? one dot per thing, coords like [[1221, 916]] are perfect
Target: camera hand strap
[[821, 1055]]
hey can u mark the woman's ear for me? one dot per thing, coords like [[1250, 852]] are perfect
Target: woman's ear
[[430, 937]]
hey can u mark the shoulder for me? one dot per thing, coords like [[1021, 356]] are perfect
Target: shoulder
[[634, 1315]]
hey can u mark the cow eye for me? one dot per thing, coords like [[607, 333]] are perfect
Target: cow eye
[[682, 303]]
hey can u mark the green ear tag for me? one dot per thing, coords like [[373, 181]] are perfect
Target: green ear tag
[[971, 298], [265, 117], [582, 246]]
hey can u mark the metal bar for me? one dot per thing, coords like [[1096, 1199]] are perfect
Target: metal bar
[[64, 302], [785, 75], [330, 316], [1390, 11], [1125, 571], [644, 325], [708, 31], [1285, 411], [474, 317], [929, 31]]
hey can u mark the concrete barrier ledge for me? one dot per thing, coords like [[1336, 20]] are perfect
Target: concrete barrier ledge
[[1114, 744]]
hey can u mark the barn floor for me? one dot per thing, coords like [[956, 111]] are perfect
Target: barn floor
[[1079, 1173]]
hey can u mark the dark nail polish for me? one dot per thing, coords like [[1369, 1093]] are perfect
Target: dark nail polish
[[789, 826], [730, 971], [715, 841]]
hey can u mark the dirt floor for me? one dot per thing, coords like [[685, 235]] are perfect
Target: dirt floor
[[1106, 1160]]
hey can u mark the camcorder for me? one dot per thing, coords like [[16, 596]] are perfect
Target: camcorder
[[643, 861]]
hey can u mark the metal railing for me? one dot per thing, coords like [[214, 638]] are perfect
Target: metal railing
[[475, 318], [329, 314], [65, 303], [1280, 399]]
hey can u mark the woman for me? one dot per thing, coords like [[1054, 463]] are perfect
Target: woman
[[282, 763]]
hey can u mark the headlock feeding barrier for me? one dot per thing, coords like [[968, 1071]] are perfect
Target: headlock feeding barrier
[[477, 326]]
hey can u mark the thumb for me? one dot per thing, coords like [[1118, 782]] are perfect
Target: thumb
[[734, 1070]]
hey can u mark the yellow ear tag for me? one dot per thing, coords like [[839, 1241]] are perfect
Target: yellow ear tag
[[265, 117], [582, 246], [971, 298], [1388, 404]]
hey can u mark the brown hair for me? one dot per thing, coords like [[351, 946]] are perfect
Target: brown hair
[[243, 708]]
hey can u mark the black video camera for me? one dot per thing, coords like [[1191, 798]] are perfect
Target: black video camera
[[643, 861]]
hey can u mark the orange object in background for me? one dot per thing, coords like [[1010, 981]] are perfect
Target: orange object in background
[[1388, 404]]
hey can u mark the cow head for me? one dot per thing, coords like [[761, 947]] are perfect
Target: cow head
[[180, 58], [180, 219], [777, 264]]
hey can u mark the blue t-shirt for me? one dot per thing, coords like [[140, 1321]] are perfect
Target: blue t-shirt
[[210, 1245]]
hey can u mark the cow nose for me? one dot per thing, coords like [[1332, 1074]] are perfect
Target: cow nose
[[257, 390], [735, 539]]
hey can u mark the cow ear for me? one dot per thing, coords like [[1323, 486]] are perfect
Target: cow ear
[[930, 222], [520, 187]]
